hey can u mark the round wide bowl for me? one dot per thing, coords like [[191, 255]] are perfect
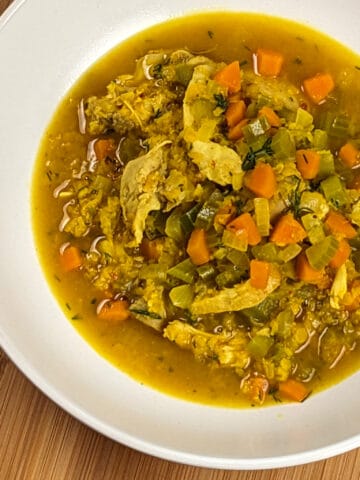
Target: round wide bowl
[[44, 47]]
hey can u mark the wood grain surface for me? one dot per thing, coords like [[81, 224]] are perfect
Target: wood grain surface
[[39, 441]]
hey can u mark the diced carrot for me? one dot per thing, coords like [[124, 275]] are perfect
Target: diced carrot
[[271, 116], [287, 231], [71, 259], [235, 113], [235, 133], [230, 77], [197, 247], [349, 155], [341, 255], [269, 62], [150, 249], [114, 311], [317, 88], [261, 180], [246, 222], [306, 273], [308, 163], [259, 273], [104, 147], [339, 225], [294, 390]]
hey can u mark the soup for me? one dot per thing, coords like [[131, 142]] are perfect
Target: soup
[[196, 208]]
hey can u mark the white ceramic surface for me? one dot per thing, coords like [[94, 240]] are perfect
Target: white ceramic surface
[[44, 47]]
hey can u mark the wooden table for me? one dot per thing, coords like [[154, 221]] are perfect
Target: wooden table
[[39, 441]]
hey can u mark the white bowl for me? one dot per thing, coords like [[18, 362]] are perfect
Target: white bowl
[[44, 47]]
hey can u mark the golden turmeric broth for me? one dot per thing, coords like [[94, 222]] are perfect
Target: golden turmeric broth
[[135, 348]]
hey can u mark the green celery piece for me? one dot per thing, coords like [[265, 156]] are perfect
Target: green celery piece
[[334, 191], [289, 253], [232, 240], [173, 227], [184, 73], [187, 220], [205, 217], [239, 259], [319, 255], [206, 272], [262, 216], [182, 296], [320, 139], [260, 345], [283, 145], [327, 166], [314, 228], [268, 252], [184, 271], [228, 277], [256, 128], [303, 119]]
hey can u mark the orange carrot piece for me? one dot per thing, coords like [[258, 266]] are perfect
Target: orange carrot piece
[[71, 259], [259, 273], [246, 222], [341, 255], [261, 180], [197, 247], [308, 163], [287, 231], [349, 155], [294, 390], [306, 273], [235, 113], [269, 62], [114, 311], [339, 225], [271, 116], [104, 147], [235, 133], [317, 88], [230, 77]]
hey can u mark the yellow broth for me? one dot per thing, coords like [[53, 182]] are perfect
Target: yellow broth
[[131, 346]]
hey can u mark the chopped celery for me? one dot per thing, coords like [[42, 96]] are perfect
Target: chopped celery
[[284, 322], [289, 253], [182, 296], [334, 191], [315, 203], [183, 73], [320, 139], [319, 255], [267, 252], [206, 272], [173, 226], [184, 271], [256, 128], [260, 345], [313, 227], [327, 166], [187, 220], [303, 119], [220, 253], [239, 259], [335, 125], [229, 277], [261, 312], [235, 240], [283, 145], [205, 217], [262, 216]]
